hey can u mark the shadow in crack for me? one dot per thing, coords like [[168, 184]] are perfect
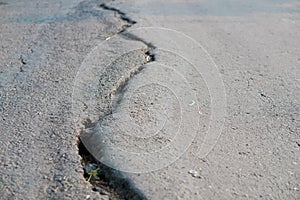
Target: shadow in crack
[[105, 180]]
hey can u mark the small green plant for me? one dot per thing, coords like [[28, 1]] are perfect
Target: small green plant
[[94, 174]]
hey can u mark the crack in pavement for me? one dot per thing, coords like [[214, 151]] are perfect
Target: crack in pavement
[[109, 181], [121, 14]]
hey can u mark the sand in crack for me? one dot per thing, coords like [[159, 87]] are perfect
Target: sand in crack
[[110, 86], [114, 78]]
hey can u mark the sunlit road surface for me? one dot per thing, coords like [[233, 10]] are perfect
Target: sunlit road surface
[[216, 114], [186, 99]]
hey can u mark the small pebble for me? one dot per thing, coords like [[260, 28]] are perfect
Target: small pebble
[[148, 58], [194, 173]]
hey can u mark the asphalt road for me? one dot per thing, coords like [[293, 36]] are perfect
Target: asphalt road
[[184, 99], [43, 44]]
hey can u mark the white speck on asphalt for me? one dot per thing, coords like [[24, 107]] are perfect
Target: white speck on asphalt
[[192, 103], [194, 173]]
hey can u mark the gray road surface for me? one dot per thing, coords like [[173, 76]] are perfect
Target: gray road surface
[[202, 104], [42, 46]]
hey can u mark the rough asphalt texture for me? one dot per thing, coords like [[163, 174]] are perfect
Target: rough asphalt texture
[[255, 45], [42, 46]]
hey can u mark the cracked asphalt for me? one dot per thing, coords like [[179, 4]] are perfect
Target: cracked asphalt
[[42, 46], [247, 53]]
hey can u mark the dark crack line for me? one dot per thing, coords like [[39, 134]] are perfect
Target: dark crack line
[[150, 56], [122, 15], [125, 33], [130, 36], [110, 181]]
